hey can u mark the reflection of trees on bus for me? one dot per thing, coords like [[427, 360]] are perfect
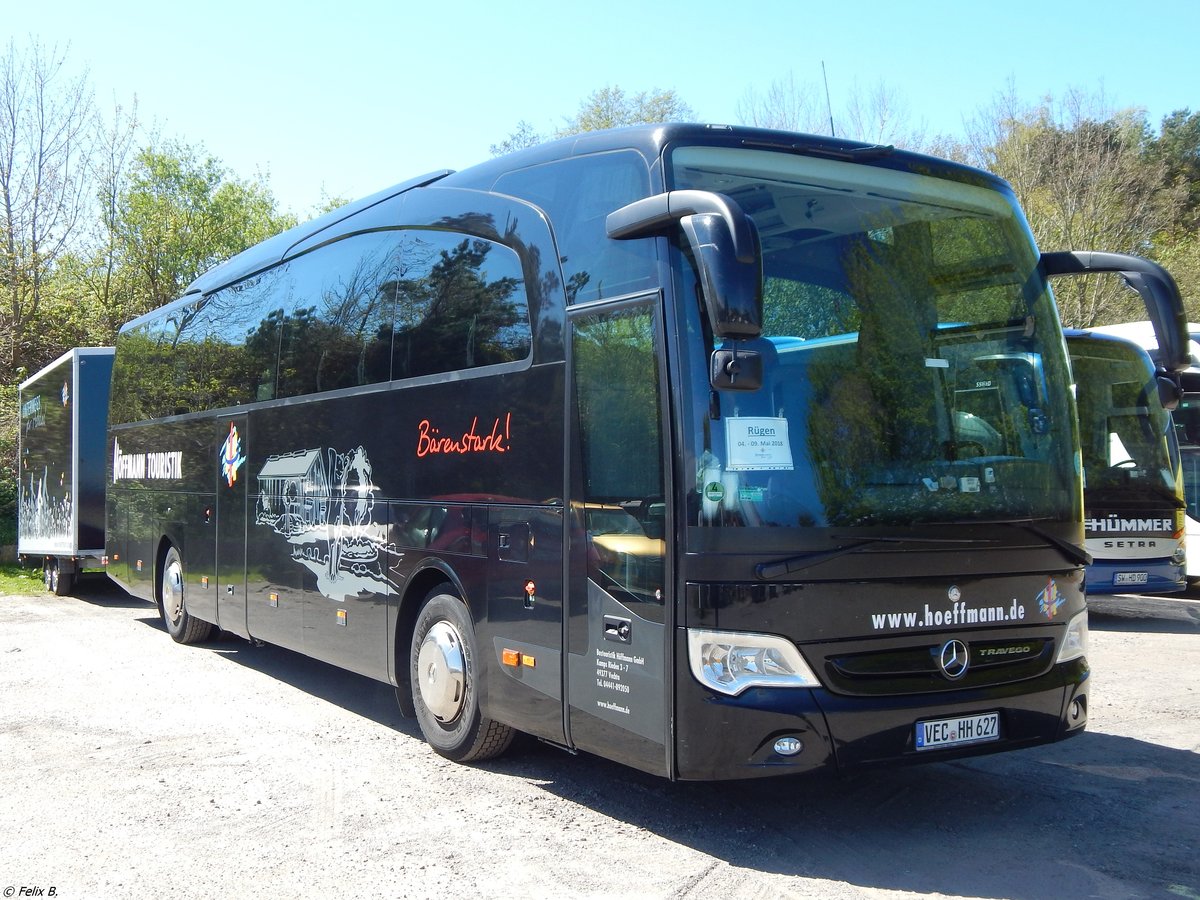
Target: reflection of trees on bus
[[904, 350], [614, 356], [411, 303], [453, 317], [624, 509]]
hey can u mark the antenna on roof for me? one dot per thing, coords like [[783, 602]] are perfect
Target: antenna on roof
[[828, 105]]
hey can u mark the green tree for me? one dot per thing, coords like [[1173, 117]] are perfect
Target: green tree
[[1177, 148], [44, 121], [101, 282], [1080, 172], [607, 107], [84, 296], [1179, 252], [611, 107], [182, 213]]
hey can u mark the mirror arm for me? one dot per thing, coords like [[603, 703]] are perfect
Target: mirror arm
[[1157, 288], [652, 215]]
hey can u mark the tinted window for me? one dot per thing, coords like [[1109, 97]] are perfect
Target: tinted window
[[624, 512], [336, 329], [359, 311], [139, 380], [229, 346], [187, 357], [578, 194], [460, 304]]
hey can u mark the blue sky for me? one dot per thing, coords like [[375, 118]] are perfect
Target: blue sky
[[343, 99]]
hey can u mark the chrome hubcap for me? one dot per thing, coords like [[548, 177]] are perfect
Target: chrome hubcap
[[441, 672], [172, 590]]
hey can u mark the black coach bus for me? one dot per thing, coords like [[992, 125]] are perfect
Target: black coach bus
[[718, 452]]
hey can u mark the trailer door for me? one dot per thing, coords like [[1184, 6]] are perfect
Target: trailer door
[[617, 625]]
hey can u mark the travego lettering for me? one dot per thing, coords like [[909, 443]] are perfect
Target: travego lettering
[[986, 652]]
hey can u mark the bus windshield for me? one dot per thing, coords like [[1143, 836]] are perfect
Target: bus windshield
[[1186, 419], [1126, 435], [913, 361]]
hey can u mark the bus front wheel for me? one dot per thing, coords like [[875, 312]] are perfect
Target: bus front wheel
[[183, 628], [444, 672]]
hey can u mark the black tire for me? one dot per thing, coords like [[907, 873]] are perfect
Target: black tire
[[64, 584], [443, 668], [57, 582], [183, 628]]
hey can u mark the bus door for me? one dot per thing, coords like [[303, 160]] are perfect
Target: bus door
[[617, 626], [525, 616], [230, 456]]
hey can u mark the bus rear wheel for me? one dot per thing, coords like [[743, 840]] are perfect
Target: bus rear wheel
[[444, 673], [183, 628]]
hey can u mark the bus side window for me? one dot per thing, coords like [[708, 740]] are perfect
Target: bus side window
[[460, 303], [136, 379], [337, 331], [235, 332], [621, 451], [206, 357], [578, 194]]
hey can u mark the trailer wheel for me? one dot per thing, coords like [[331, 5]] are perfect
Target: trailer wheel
[[182, 627], [57, 582], [444, 672]]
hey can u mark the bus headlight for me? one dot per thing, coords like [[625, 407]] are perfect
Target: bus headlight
[[731, 661], [1075, 642]]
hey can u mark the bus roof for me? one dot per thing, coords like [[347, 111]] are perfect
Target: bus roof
[[649, 140], [1142, 334]]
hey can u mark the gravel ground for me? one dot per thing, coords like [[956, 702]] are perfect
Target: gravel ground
[[133, 767]]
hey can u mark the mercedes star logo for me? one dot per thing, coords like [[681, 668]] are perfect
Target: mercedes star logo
[[954, 659]]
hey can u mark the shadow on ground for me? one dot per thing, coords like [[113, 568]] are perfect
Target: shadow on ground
[[1096, 815]]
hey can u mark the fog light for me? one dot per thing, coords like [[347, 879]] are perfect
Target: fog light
[[1077, 711], [790, 746]]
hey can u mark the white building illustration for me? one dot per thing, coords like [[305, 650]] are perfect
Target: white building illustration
[[323, 502]]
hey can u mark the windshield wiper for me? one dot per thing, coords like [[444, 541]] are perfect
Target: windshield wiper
[[1075, 554], [780, 567], [1071, 551], [769, 570]]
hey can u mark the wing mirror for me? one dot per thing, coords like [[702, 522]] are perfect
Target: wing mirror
[[724, 243]]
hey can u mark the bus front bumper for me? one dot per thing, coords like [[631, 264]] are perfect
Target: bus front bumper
[[775, 731]]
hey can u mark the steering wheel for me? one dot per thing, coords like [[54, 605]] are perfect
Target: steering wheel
[[964, 449]]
